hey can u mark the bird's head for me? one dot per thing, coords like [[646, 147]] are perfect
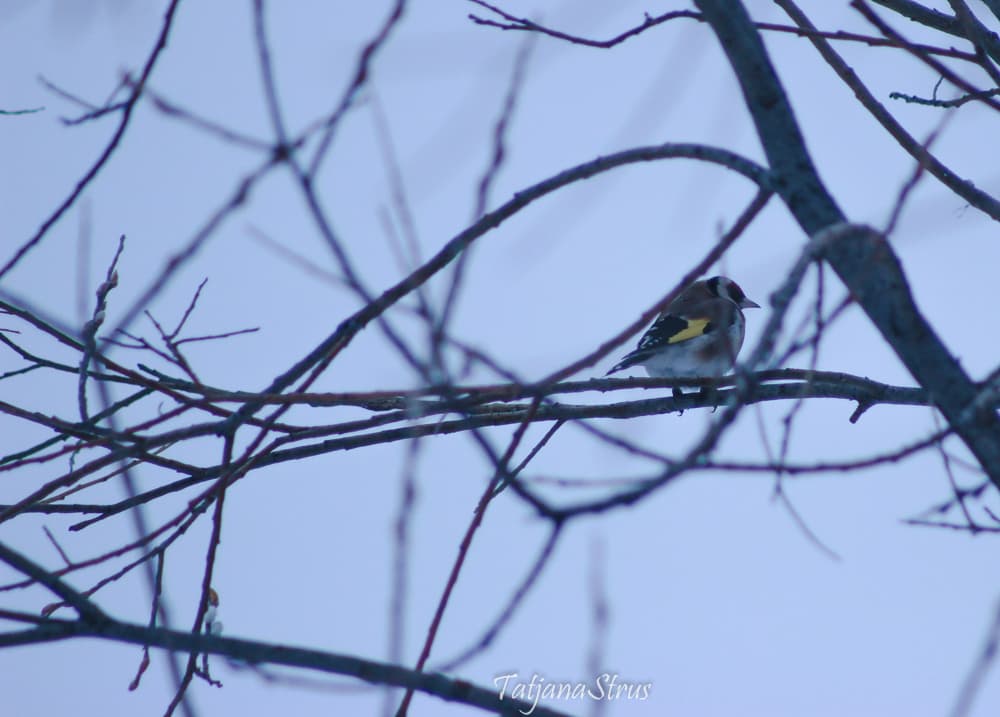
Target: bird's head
[[726, 288]]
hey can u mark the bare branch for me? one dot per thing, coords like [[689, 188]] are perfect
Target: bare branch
[[862, 258], [370, 671], [962, 187], [127, 108]]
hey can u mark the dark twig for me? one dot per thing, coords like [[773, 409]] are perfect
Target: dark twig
[[940, 21], [361, 73], [978, 35], [510, 608], [521, 23], [157, 592], [911, 183], [267, 76], [89, 332], [524, 24], [126, 116], [228, 476], [501, 474], [939, 67], [962, 187], [956, 102], [55, 544], [440, 326], [756, 205], [956, 491], [226, 134]]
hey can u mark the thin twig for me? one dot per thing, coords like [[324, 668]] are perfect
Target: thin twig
[[126, 115]]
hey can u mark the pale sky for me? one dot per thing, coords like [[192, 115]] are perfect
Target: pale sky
[[717, 598]]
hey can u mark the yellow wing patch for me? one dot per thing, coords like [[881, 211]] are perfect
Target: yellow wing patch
[[694, 329]]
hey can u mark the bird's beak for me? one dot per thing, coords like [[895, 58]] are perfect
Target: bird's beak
[[747, 304]]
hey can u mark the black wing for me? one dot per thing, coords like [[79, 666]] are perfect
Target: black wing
[[667, 329]]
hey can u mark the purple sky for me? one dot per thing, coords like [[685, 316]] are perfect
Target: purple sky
[[717, 598]]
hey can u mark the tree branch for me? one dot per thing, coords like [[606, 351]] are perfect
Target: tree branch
[[962, 187], [862, 258], [127, 107], [261, 653]]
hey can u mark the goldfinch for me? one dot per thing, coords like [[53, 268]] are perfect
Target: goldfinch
[[699, 334]]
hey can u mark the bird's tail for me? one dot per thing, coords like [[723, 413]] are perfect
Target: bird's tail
[[624, 363]]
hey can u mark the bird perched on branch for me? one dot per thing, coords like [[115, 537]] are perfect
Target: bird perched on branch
[[699, 334]]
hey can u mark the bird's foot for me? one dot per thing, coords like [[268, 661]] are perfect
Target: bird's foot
[[710, 394]]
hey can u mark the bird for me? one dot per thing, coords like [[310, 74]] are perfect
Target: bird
[[698, 334]]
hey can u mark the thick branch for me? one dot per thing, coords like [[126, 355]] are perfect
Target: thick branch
[[866, 394], [853, 252], [962, 187], [939, 21], [87, 610], [262, 653]]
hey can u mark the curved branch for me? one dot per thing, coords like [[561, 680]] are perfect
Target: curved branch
[[350, 327], [523, 23]]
